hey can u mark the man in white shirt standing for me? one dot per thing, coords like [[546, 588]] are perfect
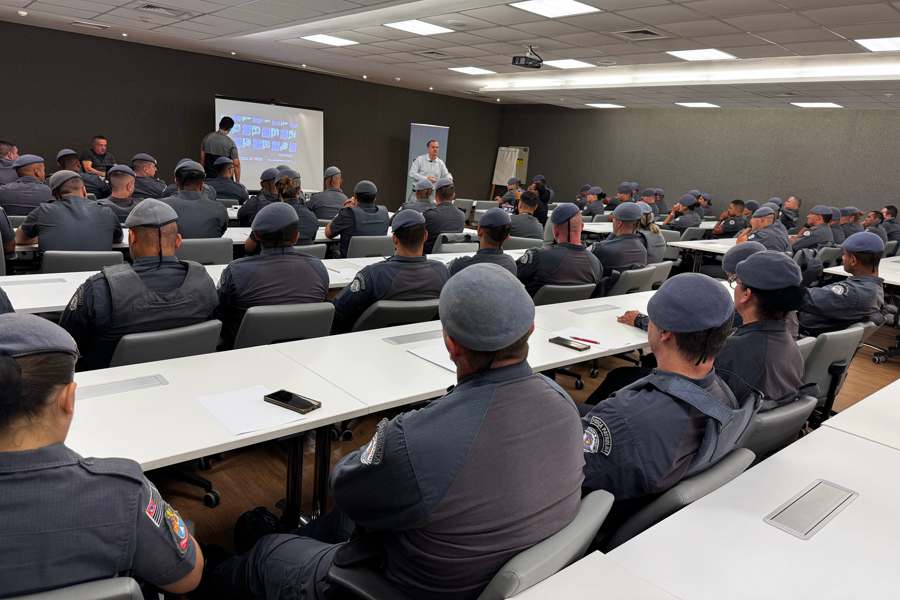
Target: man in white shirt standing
[[428, 166]]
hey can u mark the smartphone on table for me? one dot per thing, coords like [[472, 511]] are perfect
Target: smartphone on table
[[292, 401], [572, 344]]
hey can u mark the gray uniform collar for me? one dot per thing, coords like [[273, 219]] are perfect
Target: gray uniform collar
[[277, 251], [516, 371], [55, 455]]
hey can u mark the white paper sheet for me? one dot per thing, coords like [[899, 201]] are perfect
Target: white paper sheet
[[436, 354], [244, 410]]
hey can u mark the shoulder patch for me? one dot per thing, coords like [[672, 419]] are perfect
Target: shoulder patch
[[358, 284], [838, 288], [751, 236], [177, 528], [807, 233], [373, 452], [526, 258], [731, 221], [597, 437], [154, 509]]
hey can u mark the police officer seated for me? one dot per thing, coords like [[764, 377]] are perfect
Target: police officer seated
[[594, 204], [65, 519], [650, 235], [121, 199], [704, 205], [581, 199], [444, 217], [422, 199], [267, 194], [624, 249], [762, 230], [9, 152], [850, 220], [816, 233], [683, 215], [493, 230], [328, 203], [156, 292], [661, 200], [146, 184], [198, 216], [524, 224], [287, 185], [874, 222], [648, 197], [790, 213], [68, 160], [450, 492], [680, 419], [837, 232], [857, 299], [224, 184], [171, 188], [545, 197], [71, 222], [761, 354], [7, 237], [891, 227], [407, 275], [28, 191], [513, 192], [567, 262], [359, 216], [732, 221], [272, 272]]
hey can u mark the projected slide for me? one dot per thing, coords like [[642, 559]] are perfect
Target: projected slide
[[268, 135]]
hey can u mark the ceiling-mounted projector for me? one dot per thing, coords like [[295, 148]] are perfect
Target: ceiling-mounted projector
[[531, 60]]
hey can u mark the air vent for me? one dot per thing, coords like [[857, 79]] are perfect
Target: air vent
[[162, 11], [640, 35], [433, 54], [89, 25]]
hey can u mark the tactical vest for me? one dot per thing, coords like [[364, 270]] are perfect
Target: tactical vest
[[370, 223]]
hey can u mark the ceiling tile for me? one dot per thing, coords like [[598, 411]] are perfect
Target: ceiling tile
[[766, 51], [699, 28], [503, 15], [214, 24], [655, 15], [127, 23], [587, 39], [459, 22], [734, 8], [793, 36], [499, 34], [810, 4], [617, 5], [62, 10], [396, 46], [384, 33], [499, 48], [548, 28], [853, 15], [869, 30], [290, 10], [815, 48], [250, 16], [770, 22], [730, 41], [603, 22]]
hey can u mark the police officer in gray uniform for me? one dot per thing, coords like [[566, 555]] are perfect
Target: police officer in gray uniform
[[837, 232], [71, 222], [289, 191], [581, 199], [407, 275], [790, 213], [816, 233], [224, 184], [9, 152], [649, 232], [328, 203], [493, 230], [732, 222], [360, 216], [680, 419], [594, 204], [857, 299], [661, 200], [198, 216], [65, 519], [278, 274], [267, 194], [68, 160], [624, 193], [874, 222], [421, 201], [648, 197], [208, 191], [7, 237], [146, 183], [5, 305], [891, 227], [524, 224], [763, 230], [567, 262], [683, 215], [850, 220], [156, 292], [624, 249], [121, 199], [28, 191], [444, 217], [450, 492]]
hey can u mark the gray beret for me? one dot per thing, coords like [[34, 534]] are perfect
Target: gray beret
[[595, 191], [635, 186], [60, 177], [585, 188], [365, 187], [751, 205], [143, 156], [495, 217], [695, 193], [776, 201], [648, 193], [849, 211], [687, 200], [27, 159], [769, 270], [771, 205], [151, 213], [690, 302], [23, 334], [624, 188], [442, 183], [289, 173], [269, 174], [422, 185], [763, 211], [708, 197], [282, 167], [539, 178], [65, 152], [864, 241], [274, 217], [407, 218], [332, 171], [739, 252], [121, 169], [189, 166], [835, 213], [627, 211], [512, 181], [821, 209], [223, 160], [485, 308], [564, 212], [660, 192], [645, 208]]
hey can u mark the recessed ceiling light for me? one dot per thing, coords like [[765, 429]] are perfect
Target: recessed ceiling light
[[568, 63], [396, 79], [418, 27], [124, 35], [604, 105], [498, 99], [329, 40], [555, 8], [880, 44], [472, 71], [234, 53], [430, 88], [704, 54], [698, 105], [23, 13], [816, 105], [365, 76], [303, 66]]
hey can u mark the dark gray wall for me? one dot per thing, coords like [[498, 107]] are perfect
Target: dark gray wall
[[149, 99], [835, 157]]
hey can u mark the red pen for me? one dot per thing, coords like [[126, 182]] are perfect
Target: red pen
[[580, 339]]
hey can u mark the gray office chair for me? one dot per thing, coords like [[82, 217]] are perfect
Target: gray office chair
[[827, 367], [227, 202], [16, 220], [207, 251], [389, 313], [55, 261], [635, 280], [317, 250], [520, 243], [323, 222], [601, 218], [682, 494], [548, 231], [554, 294], [370, 245], [830, 256], [661, 273], [806, 345], [671, 253], [552, 206], [772, 430], [476, 216], [118, 588], [523, 571], [890, 249], [693, 233], [465, 206], [263, 325], [485, 204], [134, 348], [454, 242]]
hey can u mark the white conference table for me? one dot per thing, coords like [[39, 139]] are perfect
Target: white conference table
[[875, 418], [720, 546], [888, 269], [697, 248]]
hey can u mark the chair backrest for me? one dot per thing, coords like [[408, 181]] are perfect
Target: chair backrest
[[869, 329], [832, 348], [206, 251], [661, 273], [323, 222], [56, 261], [601, 218], [774, 429], [227, 202], [317, 250], [554, 294], [16, 220], [548, 231], [552, 206], [370, 245], [683, 493], [520, 243], [806, 346], [485, 204], [635, 280], [693, 233], [454, 242], [464, 205], [118, 588], [890, 249], [830, 256], [263, 325], [670, 235], [388, 313], [476, 216], [201, 338], [558, 551]]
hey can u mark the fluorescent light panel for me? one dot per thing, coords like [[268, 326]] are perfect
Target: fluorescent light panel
[[880, 44], [472, 71], [329, 40], [555, 8], [704, 54], [604, 105], [697, 105], [568, 63], [418, 27], [816, 105]]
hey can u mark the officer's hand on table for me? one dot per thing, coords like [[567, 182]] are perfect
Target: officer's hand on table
[[742, 236], [350, 202], [431, 178], [629, 317]]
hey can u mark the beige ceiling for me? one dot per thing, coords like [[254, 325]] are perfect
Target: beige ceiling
[[487, 33]]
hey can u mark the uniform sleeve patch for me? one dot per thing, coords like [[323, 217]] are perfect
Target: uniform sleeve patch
[[839, 288], [751, 236], [597, 437], [154, 508], [358, 284], [807, 233], [526, 258], [373, 452], [178, 529]]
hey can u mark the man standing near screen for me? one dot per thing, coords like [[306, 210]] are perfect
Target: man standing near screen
[[216, 145], [428, 166]]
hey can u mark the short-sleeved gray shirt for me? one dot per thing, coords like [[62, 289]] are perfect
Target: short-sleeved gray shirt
[[220, 145]]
